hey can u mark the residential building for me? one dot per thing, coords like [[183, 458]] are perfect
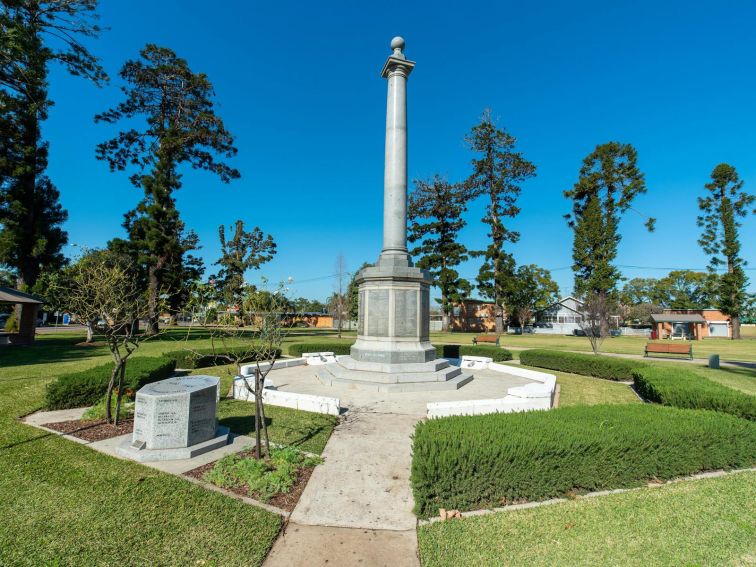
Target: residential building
[[561, 318], [691, 324]]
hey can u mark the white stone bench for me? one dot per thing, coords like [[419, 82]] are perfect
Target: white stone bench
[[318, 358], [475, 362], [507, 404], [304, 402]]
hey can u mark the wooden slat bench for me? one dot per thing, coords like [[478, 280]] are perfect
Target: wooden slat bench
[[486, 339], [671, 348]]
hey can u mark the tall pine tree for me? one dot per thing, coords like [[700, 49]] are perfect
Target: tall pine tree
[[609, 182], [720, 210], [34, 34], [498, 172], [435, 211], [180, 127]]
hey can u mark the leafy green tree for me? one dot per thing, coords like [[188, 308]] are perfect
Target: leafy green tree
[[33, 35], [305, 305], [639, 290], [498, 172], [435, 211], [353, 293], [720, 210], [245, 250], [532, 289], [180, 128], [686, 289]]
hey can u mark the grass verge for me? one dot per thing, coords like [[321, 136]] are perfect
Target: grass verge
[[700, 522]]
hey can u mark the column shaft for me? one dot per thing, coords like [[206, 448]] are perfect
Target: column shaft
[[395, 168]]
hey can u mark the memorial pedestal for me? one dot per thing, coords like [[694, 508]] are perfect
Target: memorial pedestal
[[175, 419]]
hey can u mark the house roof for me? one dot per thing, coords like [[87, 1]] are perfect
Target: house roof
[[677, 318], [561, 303], [10, 295]]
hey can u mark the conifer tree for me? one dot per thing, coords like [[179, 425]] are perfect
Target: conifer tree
[[245, 250], [33, 35], [435, 211], [609, 182], [498, 172], [720, 210], [180, 128]]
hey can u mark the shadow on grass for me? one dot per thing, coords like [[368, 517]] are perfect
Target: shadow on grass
[[277, 429]]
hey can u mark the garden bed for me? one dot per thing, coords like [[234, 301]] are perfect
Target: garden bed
[[92, 430], [283, 500]]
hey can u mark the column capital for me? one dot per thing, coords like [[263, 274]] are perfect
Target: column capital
[[397, 62]]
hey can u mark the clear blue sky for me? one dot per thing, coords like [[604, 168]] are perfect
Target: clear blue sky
[[298, 84]]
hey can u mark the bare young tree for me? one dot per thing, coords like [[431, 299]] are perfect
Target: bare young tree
[[338, 302], [597, 310], [260, 345], [101, 286]]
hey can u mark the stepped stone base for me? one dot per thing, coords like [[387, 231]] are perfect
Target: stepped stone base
[[408, 377]]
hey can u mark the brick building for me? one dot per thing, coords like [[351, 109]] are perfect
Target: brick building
[[691, 324]]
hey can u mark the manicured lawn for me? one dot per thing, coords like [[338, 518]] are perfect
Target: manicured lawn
[[304, 430], [586, 390], [64, 504], [744, 349], [703, 522]]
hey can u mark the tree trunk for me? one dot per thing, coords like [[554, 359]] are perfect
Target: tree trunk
[[445, 322], [262, 413], [90, 331], [119, 391], [118, 363], [152, 299], [735, 327], [499, 319], [258, 423]]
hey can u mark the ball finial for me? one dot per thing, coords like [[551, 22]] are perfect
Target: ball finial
[[397, 43]]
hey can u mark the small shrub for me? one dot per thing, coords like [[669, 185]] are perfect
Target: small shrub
[[88, 386], [97, 411], [679, 387], [482, 461], [297, 349], [605, 367], [265, 477], [458, 351], [202, 358], [11, 323]]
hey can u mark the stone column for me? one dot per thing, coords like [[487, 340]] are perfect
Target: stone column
[[394, 295], [396, 69]]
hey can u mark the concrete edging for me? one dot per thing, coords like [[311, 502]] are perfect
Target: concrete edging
[[515, 507]]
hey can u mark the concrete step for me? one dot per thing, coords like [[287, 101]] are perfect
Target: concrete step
[[442, 375], [432, 366], [454, 383]]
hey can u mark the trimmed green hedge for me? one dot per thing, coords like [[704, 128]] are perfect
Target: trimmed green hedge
[[458, 351], [483, 461], [682, 388], [202, 358], [297, 349], [87, 387], [605, 367]]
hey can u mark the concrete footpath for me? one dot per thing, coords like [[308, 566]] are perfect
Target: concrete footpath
[[357, 506]]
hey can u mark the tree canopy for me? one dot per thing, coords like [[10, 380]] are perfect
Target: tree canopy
[[179, 127]]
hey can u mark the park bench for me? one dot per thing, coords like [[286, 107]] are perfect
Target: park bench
[[671, 348], [486, 339]]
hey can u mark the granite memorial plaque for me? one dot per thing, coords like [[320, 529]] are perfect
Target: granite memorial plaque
[[175, 419], [378, 315]]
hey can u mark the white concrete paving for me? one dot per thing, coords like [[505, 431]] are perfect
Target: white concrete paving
[[486, 384], [364, 481]]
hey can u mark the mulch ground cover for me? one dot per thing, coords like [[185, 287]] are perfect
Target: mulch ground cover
[[95, 430], [285, 501]]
